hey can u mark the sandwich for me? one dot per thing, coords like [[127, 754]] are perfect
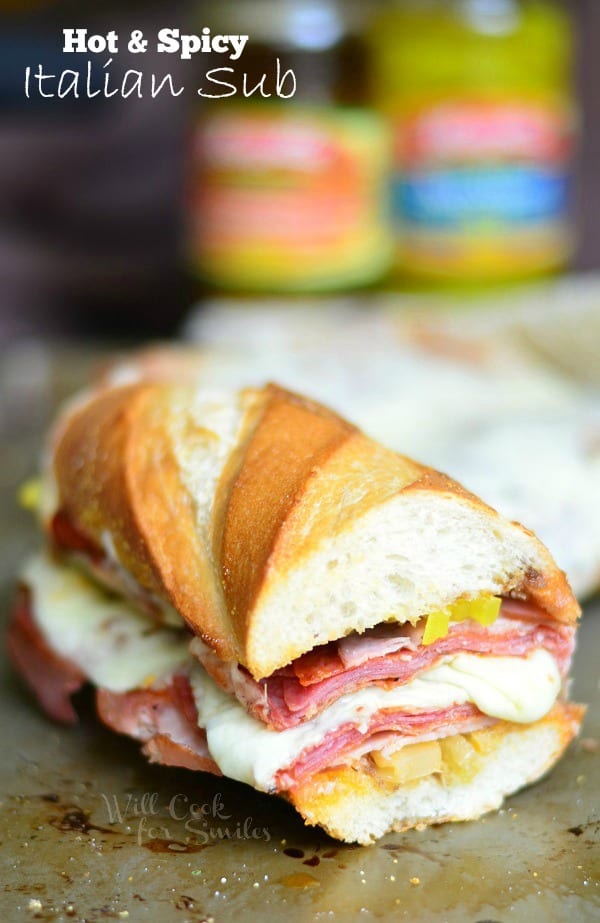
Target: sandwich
[[257, 589]]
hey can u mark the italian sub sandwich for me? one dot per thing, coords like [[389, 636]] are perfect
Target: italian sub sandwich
[[256, 589]]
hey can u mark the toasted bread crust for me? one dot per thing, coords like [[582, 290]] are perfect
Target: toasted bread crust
[[294, 439], [298, 475], [333, 798], [117, 475]]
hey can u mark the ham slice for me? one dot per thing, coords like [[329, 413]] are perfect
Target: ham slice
[[349, 743], [356, 649], [303, 689], [521, 609], [165, 719], [67, 536], [161, 719], [352, 651], [165, 751], [53, 679]]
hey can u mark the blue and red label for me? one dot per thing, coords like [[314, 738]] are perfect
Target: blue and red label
[[483, 184]]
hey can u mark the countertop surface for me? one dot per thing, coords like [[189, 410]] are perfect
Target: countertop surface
[[90, 831]]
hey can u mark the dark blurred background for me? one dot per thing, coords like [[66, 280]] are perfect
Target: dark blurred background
[[586, 16], [93, 194]]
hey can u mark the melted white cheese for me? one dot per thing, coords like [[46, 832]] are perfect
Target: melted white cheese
[[519, 689], [509, 688], [106, 638]]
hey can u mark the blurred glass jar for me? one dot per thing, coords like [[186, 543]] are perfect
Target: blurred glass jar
[[480, 97], [290, 194]]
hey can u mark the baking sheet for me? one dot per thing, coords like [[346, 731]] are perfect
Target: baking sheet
[[91, 832]]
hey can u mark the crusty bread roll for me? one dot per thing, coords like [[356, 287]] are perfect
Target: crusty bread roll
[[295, 566], [237, 509]]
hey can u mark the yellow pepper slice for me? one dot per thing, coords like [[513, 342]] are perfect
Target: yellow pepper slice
[[437, 625], [484, 609], [411, 762], [30, 494]]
